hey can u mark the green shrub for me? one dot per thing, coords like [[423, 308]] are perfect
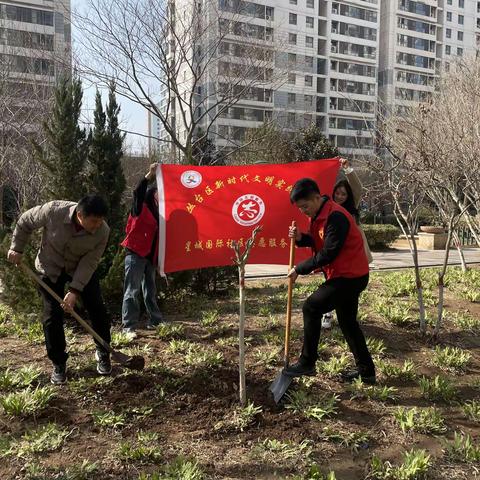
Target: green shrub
[[112, 283], [380, 236]]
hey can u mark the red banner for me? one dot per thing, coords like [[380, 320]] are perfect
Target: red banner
[[203, 209]]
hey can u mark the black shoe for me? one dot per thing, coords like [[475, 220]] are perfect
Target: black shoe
[[104, 367], [59, 374], [299, 369], [354, 374]]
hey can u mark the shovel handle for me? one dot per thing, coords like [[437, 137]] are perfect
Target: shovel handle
[[288, 321], [74, 314]]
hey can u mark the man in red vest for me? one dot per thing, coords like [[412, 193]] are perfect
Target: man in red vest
[[338, 251], [141, 244]]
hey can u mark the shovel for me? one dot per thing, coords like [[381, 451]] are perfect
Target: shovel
[[136, 362], [282, 381]]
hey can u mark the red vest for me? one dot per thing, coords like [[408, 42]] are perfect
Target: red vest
[[141, 232], [352, 261]]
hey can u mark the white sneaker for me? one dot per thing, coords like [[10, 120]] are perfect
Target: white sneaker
[[327, 320], [130, 332]]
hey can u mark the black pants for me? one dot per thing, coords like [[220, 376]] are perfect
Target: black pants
[[341, 295], [53, 316]]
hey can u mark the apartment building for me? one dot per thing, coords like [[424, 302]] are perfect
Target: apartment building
[[35, 48], [419, 39], [324, 60]]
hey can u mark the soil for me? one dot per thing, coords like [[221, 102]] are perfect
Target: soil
[[192, 407]]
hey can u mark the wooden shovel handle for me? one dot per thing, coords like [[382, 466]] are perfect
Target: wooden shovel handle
[[74, 314], [288, 321]]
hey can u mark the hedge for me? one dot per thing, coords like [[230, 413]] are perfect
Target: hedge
[[380, 236]]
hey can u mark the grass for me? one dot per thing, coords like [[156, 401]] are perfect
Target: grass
[[373, 392], [109, 419], [334, 366], [180, 469], [210, 322], [405, 372], [198, 356], [275, 451], [415, 466], [463, 449], [168, 331], [471, 409], [46, 438], [28, 401], [240, 418], [376, 346], [437, 389], [267, 358], [398, 314], [425, 420], [121, 339], [299, 401], [84, 471], [451, 358], [144, 449], [465, 321], [353, 440]]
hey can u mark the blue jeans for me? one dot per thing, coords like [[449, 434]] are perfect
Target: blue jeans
[[139, 274]]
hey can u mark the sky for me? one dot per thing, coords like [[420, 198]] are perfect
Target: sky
[[133, 117]]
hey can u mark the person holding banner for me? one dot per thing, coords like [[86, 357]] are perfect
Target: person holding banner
[[348, 193], [141, 244], [338, 251]]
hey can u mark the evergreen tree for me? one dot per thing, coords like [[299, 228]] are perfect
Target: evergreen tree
[[105, 173], [64, 152], [311, 144]]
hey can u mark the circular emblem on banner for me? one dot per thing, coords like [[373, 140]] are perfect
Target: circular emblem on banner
[[191, 179], [248, 210]]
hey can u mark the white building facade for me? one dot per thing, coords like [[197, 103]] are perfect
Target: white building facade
[[340, 60]]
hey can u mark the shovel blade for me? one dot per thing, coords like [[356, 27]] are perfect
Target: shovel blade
[[280, 385]]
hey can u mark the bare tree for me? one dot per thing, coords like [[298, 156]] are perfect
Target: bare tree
[[25, 95], [187, 63]]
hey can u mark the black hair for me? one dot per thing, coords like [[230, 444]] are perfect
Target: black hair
[[149, 200], [304, 189], [349, 203], [92, 206]]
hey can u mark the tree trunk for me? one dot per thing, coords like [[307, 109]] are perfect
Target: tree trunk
[[441, 279], [458, 246], [241, 336]]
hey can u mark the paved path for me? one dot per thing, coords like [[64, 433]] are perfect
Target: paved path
[[390, 260]]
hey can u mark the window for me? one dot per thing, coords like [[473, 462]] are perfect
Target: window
[[460, 36], [448, 33], [309, 42], [460, 19], [309, 61], [292, 119], [292, 18], [309, 22], [461, 3], [308, 81], [292, 58], [449, 2], [291, 98], [459, 51], [449, 16], [448, 50], [308, 100], [310, 3], [291, 78], [293, 2], [292, 38]]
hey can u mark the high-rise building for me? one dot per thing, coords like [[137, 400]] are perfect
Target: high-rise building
[[324, 59], [35, 49], [419, 39], [339, 60]]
